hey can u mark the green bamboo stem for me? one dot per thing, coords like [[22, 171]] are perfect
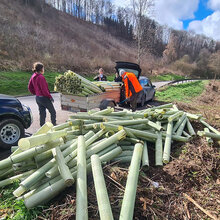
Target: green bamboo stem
[[73, 146], [193, 116], [81, 184], [62, 126], [209, 134], [175, 116], [101, 146], [90, 138], [28, 153], [6, 172], [26, 143], [104, 112], [186, 134], [181, 128], [10, 180], [210, 127], [33, 178], [14, 148], [42, 130], [159, 150], [167, 145], [208, 139], [126, 147], [125, 159], [106, 150], [128, 202], [179, 122], [145, 157], [53, 187], [104, 206], [45, 195], [124, 142], [142, 133], [62, 167], [190, 128]]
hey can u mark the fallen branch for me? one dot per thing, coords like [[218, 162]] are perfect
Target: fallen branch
[[198, 206]]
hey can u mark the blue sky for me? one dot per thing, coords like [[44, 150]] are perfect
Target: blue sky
[[199, 16], [202, 12]]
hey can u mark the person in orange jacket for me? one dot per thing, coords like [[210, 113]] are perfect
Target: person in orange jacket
[[132, 87]]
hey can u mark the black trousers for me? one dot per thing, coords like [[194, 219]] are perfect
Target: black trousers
[[133, 101], [43, 104]]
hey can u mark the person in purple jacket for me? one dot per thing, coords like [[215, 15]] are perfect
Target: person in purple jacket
[[38, 86]]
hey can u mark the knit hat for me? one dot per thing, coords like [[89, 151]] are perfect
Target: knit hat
[[121, 72]]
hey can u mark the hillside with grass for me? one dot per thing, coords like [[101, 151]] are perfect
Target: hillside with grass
[[57, 39]]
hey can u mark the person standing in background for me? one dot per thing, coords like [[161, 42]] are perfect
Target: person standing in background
[[101, 76], [38, 86]]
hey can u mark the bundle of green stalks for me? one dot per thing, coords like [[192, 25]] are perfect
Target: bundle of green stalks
[[74, 84], [57, 156], [108, 86]]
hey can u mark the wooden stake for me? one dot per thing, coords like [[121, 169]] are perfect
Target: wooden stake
[[198, 206]]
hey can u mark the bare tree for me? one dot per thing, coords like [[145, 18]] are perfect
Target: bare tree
[[141, 8], [214, 64]]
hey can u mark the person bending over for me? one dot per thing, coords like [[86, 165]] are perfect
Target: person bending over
[[132, 87]]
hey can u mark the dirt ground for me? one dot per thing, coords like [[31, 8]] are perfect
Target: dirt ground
[[193, 171]]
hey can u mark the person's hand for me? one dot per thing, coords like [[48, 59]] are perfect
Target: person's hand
[[51, 99]]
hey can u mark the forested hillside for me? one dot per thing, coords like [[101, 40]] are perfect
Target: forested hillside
[[59, 40]]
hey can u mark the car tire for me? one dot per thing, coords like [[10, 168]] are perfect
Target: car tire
[[11, 130], [106, 103], [153, 97], [143, 100]]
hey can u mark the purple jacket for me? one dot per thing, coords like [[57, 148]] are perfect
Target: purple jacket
[[38, 85]]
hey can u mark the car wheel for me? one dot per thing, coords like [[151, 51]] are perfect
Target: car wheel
[[11, 130], [153, 97], [143, 100], [106, 103]]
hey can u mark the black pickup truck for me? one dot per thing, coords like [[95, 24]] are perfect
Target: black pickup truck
[[14, 118]]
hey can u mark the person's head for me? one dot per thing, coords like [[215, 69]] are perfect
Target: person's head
[[121, 72], [101, 71], [38, 67]]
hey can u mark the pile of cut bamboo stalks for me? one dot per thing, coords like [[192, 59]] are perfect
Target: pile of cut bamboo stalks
[[108, 86], [74, 84], [57, 156]]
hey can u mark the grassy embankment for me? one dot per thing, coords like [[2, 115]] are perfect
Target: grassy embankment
[[181, 92]]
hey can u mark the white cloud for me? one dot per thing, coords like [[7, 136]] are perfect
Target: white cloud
[[214, 4], [171, 12], [208, 26]]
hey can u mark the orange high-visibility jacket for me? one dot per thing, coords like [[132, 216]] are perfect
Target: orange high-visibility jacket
[[131, 83]]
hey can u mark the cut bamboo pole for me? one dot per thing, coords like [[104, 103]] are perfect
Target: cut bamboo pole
[[167, 145], [26, 143], [145, 157], [179, 122], [209, 134], [45, 195], [210, 127], [104, 206], [81, 184], [10, 180], [127, 209], [181, 128], [159, 150], [208, 139], [190, 128], [62, 167]]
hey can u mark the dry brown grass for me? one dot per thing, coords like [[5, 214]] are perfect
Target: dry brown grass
[[57, 39]]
